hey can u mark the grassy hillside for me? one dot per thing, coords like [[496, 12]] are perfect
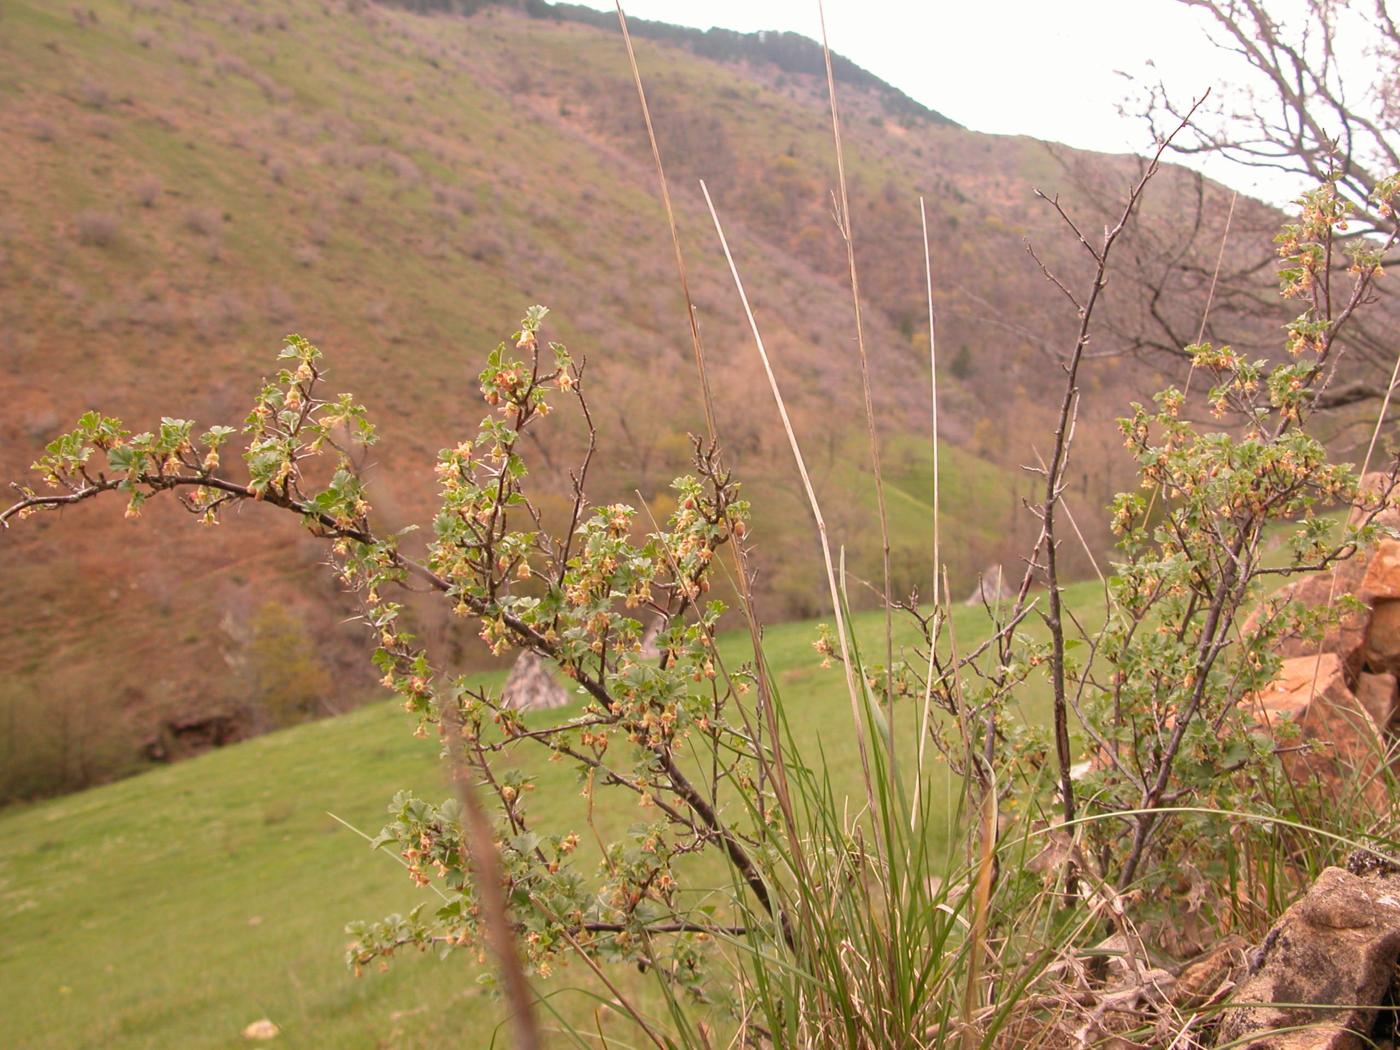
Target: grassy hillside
[[174, 908], [186, 183]]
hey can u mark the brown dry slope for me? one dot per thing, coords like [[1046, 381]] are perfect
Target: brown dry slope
[[185, 183]]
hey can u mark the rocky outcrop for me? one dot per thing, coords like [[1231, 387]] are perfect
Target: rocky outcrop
[[992, 587], [1341, 746], [1326, 970], [1380, 588], [1341, 692], [184, 737], [1318, 590], [1377, 694], [531, 687]]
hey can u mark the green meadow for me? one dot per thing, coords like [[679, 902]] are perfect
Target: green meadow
[[174, 908]]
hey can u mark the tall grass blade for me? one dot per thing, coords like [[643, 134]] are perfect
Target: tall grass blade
[[848, 236], [705, 392], [854, 693]]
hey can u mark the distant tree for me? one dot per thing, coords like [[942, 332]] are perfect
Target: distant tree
[[1319, 95], [277, 668], [1313, 92]]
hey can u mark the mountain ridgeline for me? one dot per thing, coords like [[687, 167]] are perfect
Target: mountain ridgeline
[[784, 51]]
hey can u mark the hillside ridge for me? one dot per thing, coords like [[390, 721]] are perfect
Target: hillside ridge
[[784, 50], [187, 183]]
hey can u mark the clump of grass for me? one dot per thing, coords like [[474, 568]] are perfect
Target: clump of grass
[[204, 221], [95, 228], [102, 127], [41, 129], [147, 191], [94, 95]]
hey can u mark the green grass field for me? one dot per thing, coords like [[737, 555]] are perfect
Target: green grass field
[[176, 907]]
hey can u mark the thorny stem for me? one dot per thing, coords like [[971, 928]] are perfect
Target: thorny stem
[[1059, 455]]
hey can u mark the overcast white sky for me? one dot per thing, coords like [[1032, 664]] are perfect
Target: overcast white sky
[[1047, 68]]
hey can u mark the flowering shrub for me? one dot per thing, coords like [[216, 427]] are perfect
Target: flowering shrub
[[875, 939], [1166, 716], [577, 599]]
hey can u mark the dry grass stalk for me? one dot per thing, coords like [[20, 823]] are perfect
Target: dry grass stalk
[[846, 235], [937, 555], [485, 862], [852, 689], [744, 585], [675, 233]]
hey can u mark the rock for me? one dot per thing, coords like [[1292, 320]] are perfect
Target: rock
[[650, 650], [261, 1030], [1345, 638], [188, 735], [1203, 976], [531, 687], [1344, 748], [1335, 952], [1377, 694], [1381, 650], [991, 588], [1382, 576]]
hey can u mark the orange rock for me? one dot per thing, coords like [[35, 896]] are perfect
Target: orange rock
[[1377, 693], [1382, 578], [1381, 651], [1343, 638], [1342, 748], [1372, 485]]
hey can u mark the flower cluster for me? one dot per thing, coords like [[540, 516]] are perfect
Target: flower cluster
[[579, 601]]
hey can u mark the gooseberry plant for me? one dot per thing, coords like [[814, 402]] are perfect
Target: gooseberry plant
[[699, 750], [576, 599], [1161, 691], [839, 929], [1167, 707]]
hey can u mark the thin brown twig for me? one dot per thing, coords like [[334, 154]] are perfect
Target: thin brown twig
[[1058, 459]]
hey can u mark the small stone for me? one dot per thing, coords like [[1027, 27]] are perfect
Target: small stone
[[261, 1030], [651, 651], [1203, 976], [992, 587]]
